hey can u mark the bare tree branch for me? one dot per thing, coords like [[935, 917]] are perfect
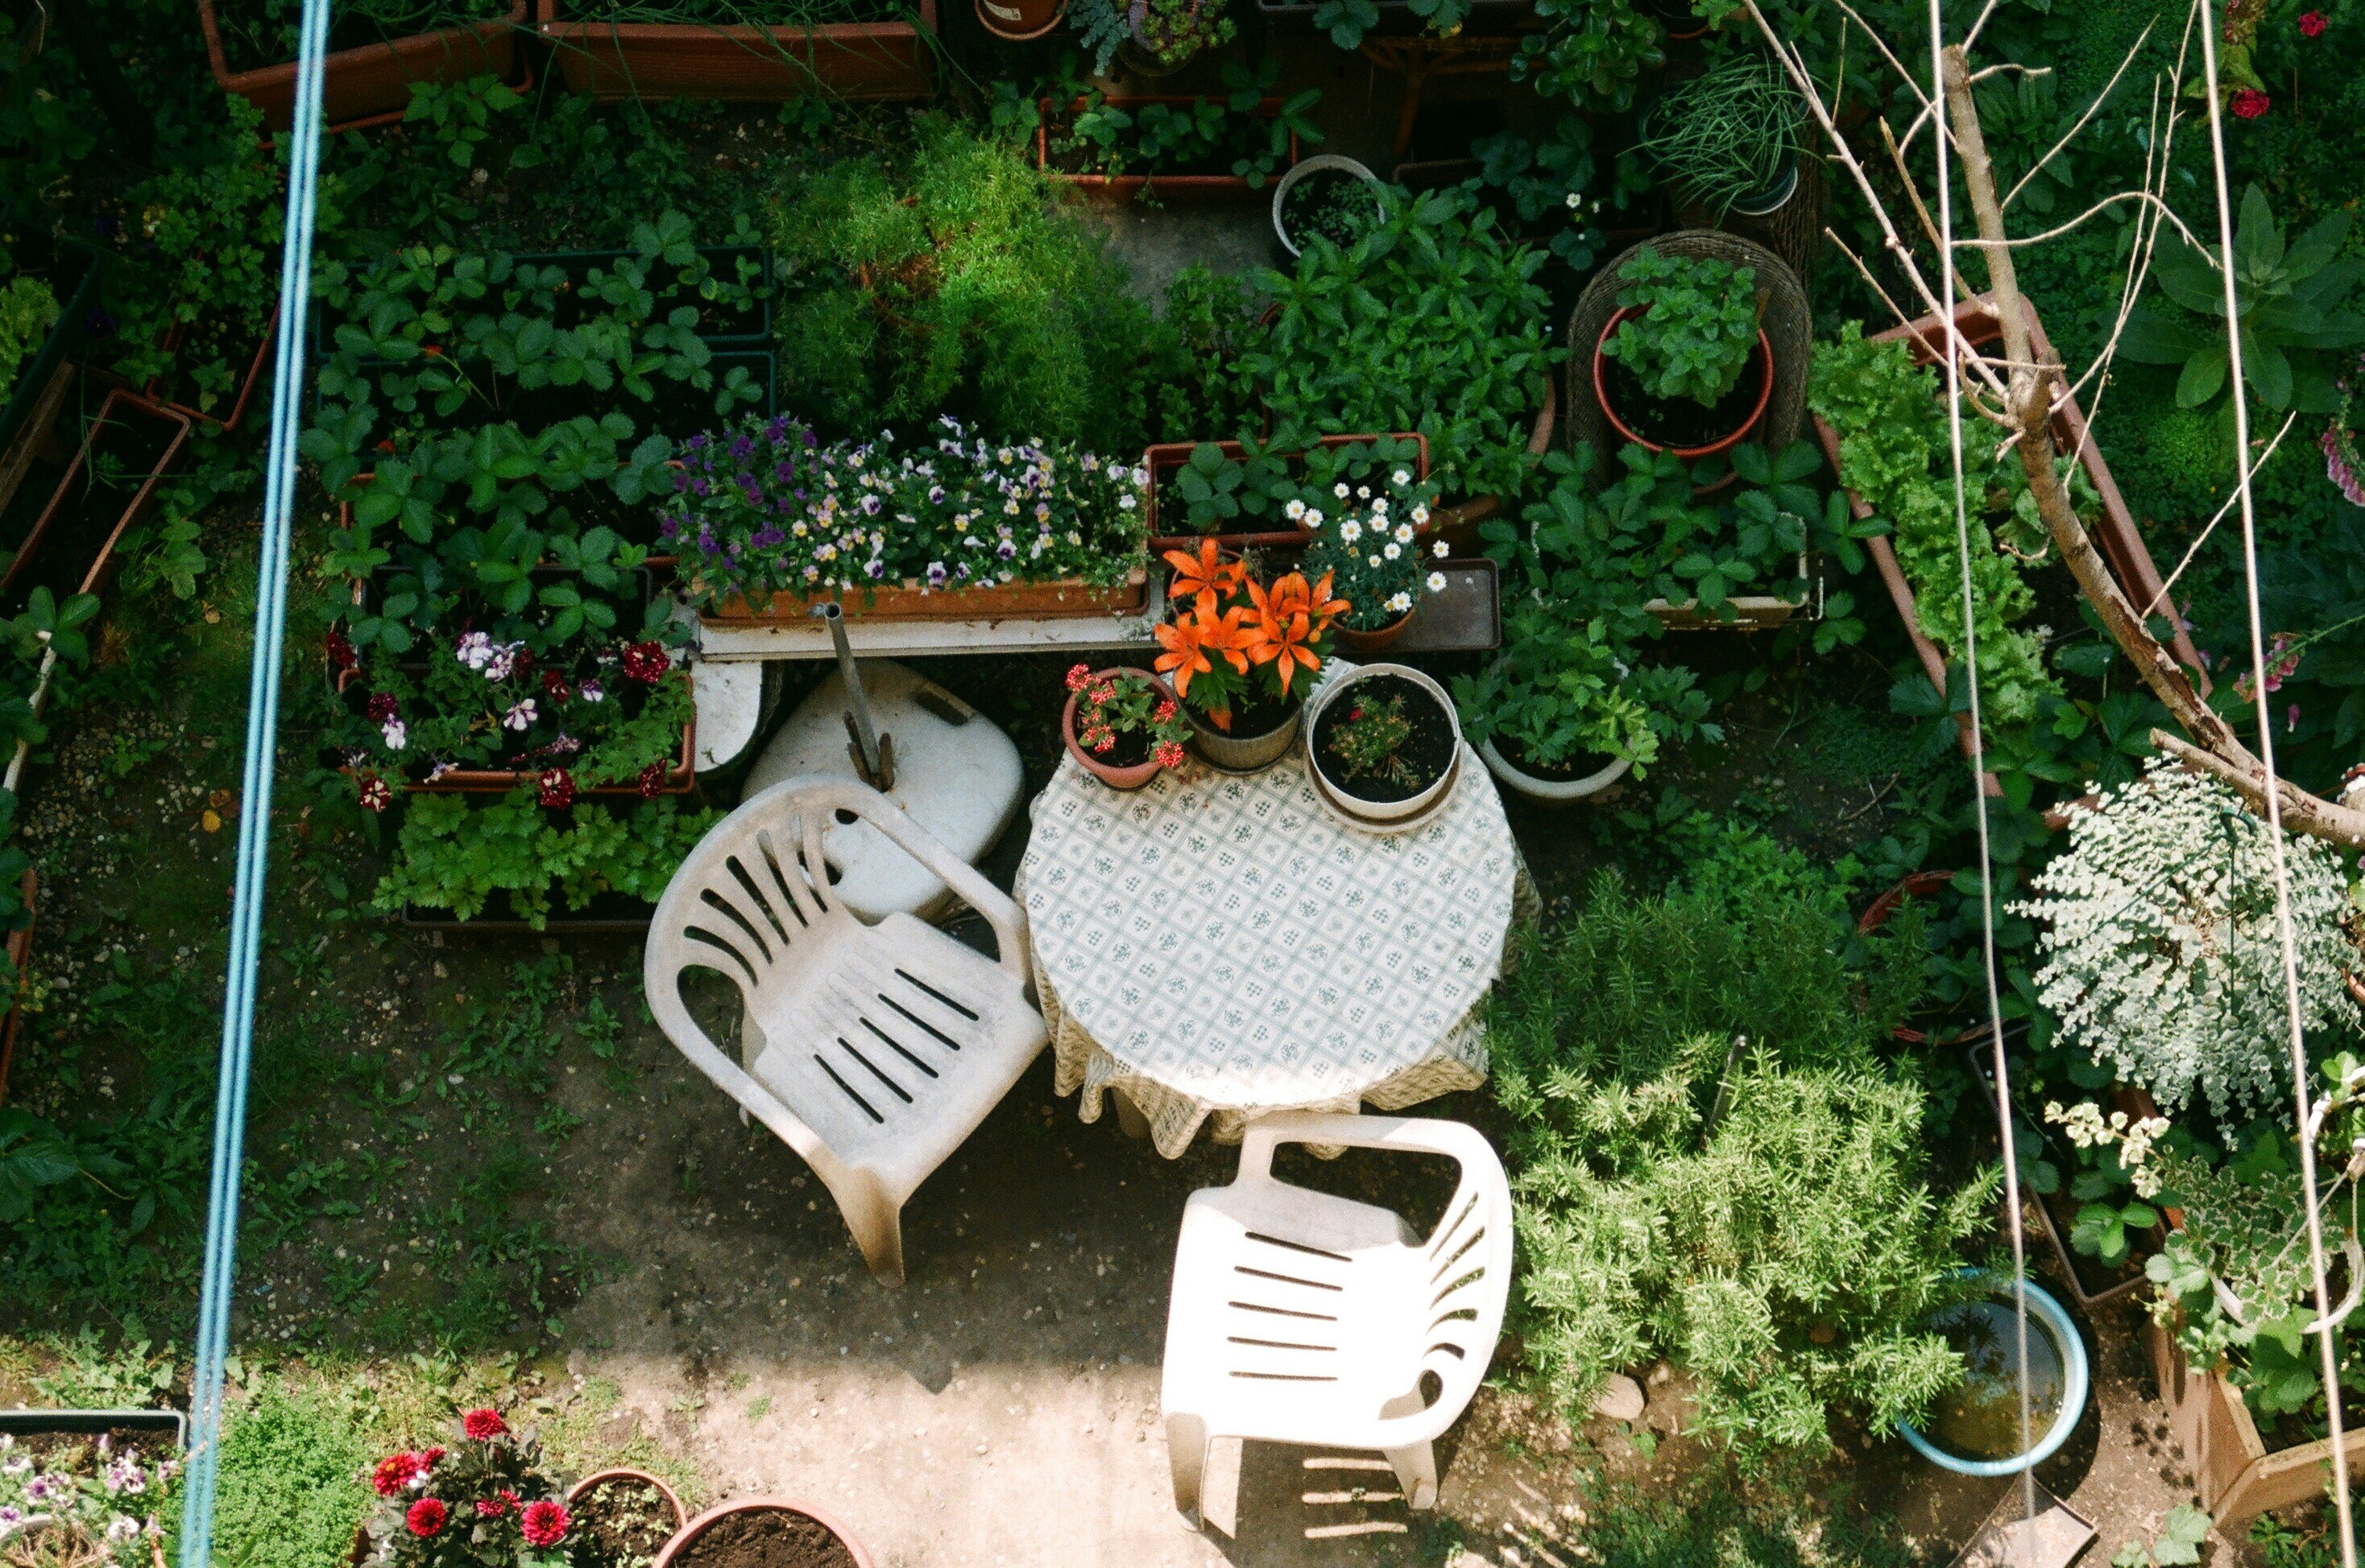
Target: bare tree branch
[[2034, 169]]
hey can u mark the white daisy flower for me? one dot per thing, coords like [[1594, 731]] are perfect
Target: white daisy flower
[[1400, 601], [1437, 582], [1294, 509], [1392, 550], [1420, 514], [1404, 534], [1438, 549], [1340, 490], [1401, 477]]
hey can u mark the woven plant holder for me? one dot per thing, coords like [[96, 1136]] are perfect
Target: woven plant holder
[[1789, 327]]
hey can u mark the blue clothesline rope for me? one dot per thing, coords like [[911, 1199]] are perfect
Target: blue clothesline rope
[[255, 802]]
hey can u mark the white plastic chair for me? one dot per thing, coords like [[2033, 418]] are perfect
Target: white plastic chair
[[1300, 1317], [876, 1048]]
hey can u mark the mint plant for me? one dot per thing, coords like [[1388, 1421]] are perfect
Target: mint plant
[[1697, 326]]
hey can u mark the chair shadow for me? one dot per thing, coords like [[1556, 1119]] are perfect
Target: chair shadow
[[1312, 1507]]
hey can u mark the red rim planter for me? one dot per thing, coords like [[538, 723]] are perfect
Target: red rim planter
[[2116, 534], [747, 64], [670, 1557], [375, 78], [1158, 184], [71, 548], [1115, 778], [1761, 357], [159, 389]]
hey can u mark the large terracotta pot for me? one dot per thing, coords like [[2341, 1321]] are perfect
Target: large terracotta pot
[[575, 1493], [1763, 354], [696, 1527]]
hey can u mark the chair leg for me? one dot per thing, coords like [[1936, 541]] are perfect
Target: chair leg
[[1415, 1468], [877, 1223], [1187, 1452]]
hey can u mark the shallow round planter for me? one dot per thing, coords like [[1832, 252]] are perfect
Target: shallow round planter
[[1771, 200], [1551, 791], [1762, 352], [1383, 811], [581, 1489], [1138, 57], [1132, 778], [2047, 1319], [1357, 642], [1316, 164], [1020, 21], [1242, 754], [696, 1526]]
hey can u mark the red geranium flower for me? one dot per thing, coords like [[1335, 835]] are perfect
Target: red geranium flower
[[375, 797], [426, 1516], [2311, 24], [645, 662], [650, 782], [486, 1425], [383, 706], [2248, 103], [555, 788], [394, 1472], [544, 1523], [342, 656], [555, 684]]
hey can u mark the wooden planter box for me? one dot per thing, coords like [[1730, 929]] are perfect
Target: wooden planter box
[[1169, 455], [699, 60], [374, 79], [916, 601], [2117, 535], [1158, 184], [2237, 1478], [159, 389], [73, 560]]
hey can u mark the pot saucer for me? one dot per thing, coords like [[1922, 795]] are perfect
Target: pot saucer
[[1387, 828]]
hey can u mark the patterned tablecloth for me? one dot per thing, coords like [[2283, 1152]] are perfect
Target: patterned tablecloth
[[1219, 946]]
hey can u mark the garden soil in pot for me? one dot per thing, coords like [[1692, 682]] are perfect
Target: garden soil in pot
[[768, 1537], [1428, 751], [624, 1523], [1680, 421]]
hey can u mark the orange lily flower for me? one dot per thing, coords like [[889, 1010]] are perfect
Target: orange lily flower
[[1211, 579], [1282, 627], [1325, 609], [1188, 640]]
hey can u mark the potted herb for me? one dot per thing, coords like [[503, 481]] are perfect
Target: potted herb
[[1553, 717], [1366, 539], [1382, 743], [1242, 653], [764, 1532], [1121, 725], [770, 521], [482, 1502], [762, 52], [88, 1487], [377, 52], [1681, 366], [623, 1518], [1175, 146], [1166, 34], [1328, 196], [1731, 135], [513, 861]]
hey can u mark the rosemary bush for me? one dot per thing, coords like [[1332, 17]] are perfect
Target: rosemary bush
[[1728, 134]]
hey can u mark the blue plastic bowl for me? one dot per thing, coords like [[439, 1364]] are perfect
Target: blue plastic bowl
[[2046, 1315]]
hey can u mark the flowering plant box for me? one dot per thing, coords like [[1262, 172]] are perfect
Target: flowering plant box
[[915, 600]]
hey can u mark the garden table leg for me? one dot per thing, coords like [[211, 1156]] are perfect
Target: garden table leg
[[1129, 1119]]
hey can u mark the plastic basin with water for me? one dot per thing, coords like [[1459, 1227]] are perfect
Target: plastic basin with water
[[1973, 1427]]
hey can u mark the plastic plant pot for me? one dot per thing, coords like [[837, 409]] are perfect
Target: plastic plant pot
[[1762, 353], [1022, 23], [2046, 1317], [1320, 162]]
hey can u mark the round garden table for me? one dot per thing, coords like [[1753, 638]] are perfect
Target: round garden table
[[1219, 946]]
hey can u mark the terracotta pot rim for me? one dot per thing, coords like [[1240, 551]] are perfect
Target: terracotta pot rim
[[1763, 351], [1132, 778], [827, 1520], [984, 20], [628, 1472]]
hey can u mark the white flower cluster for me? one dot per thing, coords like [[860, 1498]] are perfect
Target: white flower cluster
[[2087, 1128], [2161, 955]]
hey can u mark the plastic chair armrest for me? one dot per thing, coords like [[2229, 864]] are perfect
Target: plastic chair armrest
[[1008, 921]]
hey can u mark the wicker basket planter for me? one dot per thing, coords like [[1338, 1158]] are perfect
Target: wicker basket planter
[[372, 79], [653, 60]]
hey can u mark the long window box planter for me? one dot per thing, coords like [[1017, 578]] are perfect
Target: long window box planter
[[681, 775], [1164, 458], [1201, 184], [915, 601], [373, 78], [73, 272], [70, 547], [764, 64]]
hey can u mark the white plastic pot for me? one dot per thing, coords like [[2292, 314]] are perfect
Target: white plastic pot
[[1551, 791], [1380, 811], [1316, 164]]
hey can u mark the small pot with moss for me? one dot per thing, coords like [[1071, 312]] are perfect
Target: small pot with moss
[[1683, 365], [1167, 35], [1383, 742], [1329, 196]]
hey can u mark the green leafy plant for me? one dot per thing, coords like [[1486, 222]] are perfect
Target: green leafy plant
[[1556, 178], [2178, 1545], [27, 310], [1177, 30], [1730, 133], [1366, 537], [1205, 135], [1697, 328], [454, 856], [1592, 53], [2294, 303], [1561, 692]]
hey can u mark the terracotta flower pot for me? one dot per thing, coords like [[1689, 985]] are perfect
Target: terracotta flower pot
[[576, 1492], [1115, 778], [1763, 356], [699, 1525], [1361, 642], [1020, 21]]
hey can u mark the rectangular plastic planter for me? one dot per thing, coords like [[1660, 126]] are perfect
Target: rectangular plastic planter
[[172, 1425], [1165, 457], [700, 60], [1158, 184], [54, 552], [609, 913], [2115, 535], [911, 601], [375, 78]]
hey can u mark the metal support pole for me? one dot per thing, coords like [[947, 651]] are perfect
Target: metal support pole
[[874, 757]]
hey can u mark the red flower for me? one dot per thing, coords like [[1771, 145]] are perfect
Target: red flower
[[342, 656], [1168, 754], [1079, 678], [651, 783], [645, 662], [544, 1523], [555, 684], [395, 1471], [2248, 103], [383, 706], [492, 1507], [427, 1458], [375, 797], [426, 1516], [486, 1425], [555, 788], [2311, 24], [521, 664]]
